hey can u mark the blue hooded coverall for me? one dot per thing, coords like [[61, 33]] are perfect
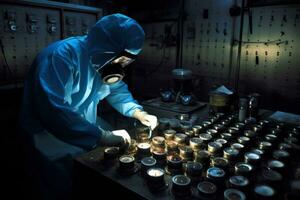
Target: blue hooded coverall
[[59, 111]]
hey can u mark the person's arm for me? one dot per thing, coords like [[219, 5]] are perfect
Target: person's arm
[[53, 102], [121, 99]]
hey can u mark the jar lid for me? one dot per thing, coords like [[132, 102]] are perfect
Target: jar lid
[[239, 180], [206, 187], [234, 194], [215, 172], [264, 190], [181, 180]]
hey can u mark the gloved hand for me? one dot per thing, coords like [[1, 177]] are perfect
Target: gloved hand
[[146, 119], [109, 139], [123, 133]]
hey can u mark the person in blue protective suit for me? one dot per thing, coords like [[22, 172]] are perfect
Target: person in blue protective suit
[[61, 93]]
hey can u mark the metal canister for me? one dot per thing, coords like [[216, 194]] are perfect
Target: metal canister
[[207, 190], [202, 156], [244, 169], [169, 134], [239, 182], [193, 170], [172, 147], [214, 148], [197, 129], [220, 162], [281, 155], [181, 186], [264, 192], [174, 165], [243, 109], [252, 158], [234, 194], [181, 139], [158, 143], [186, 153], [222, 141], [254, 102], [196, 144], [231, 155], [272, 178], [216, 175], [206, 138], [277, 165], [212, 132], [227, 136]]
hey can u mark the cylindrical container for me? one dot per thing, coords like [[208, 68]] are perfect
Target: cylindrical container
[[254, 102], [181, 186], [243, 109], [271, 138], [193, 170], [231, 154], [227, 136], [143, 150], [257, 128], [127, 164], [272, 178], [265, 146], [202, 156], [212, 132], [239, 182], [281, 155], [244, 169], [234, 194], [155, 179], [250, 134], [258, 152], [197, 130], [180, 139], [174, 165], [206, 138], [264, 192], [219, 162], [244, 140], [160, 157], [240, 125], [205, 125], [172, 147], [110, 153], [277, 165], [240, 147], [207, 190], [132, 147], [158, 143], [233, 130], [169, 134], [147, 163], [214, 148], [196, 143], [186, 153], [216, 175], [222, 141], [219, 127], [252, 158], [285, 146]]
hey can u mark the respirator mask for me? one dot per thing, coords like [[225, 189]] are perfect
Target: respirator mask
[[113, 70]]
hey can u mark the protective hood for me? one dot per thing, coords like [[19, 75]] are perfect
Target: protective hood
[[113, 34]]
